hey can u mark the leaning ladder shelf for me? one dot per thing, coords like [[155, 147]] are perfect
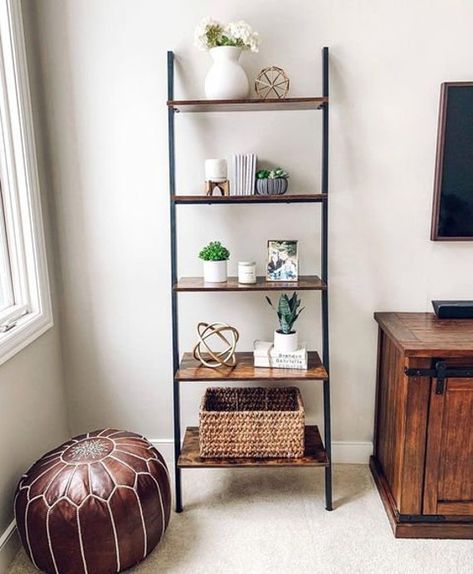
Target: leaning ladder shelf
[[187, 370]]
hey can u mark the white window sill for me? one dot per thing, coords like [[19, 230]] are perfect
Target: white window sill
[[26, 330], [20, 194]]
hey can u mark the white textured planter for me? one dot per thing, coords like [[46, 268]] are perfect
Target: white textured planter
[[226, 79], [286, 343], [215, 271]]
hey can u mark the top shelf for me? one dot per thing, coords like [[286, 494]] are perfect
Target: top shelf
[[247, 105]]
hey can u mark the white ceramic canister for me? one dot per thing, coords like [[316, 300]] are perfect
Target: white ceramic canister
[[246, 272], [215, 170]]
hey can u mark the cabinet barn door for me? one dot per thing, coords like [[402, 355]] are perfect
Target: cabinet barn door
[[449, 457]]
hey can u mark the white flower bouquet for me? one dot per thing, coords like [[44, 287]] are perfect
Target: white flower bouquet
[[210, 34]]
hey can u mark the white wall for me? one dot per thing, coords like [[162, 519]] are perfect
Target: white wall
[[32, 400], [103, 66], [33, 415]]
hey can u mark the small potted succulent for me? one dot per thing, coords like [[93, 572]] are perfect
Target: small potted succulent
[[271, 182], [285, 338], [215, 257]]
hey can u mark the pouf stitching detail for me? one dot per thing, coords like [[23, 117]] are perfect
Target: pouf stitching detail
[[28, 488], [94, 450], [28, 534]]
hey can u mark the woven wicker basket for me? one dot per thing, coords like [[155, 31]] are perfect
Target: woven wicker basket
[[252, 422]]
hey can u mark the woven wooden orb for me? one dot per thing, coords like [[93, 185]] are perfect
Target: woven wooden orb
[[272, 82], [209, 357]]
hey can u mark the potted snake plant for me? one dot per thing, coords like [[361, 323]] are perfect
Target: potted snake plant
[[285, 338], [215, 257]]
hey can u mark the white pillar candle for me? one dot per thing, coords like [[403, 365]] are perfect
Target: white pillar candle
[[215, 170], [246, 272]]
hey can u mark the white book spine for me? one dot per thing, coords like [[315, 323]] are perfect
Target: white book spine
[[240, 174], [245, 174], [253, 174], [266, 356], [250, 173], [299, 354], [234, 178], [279, 364], [237, 175]]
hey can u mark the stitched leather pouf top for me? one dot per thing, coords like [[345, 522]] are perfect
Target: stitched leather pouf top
[[95, 505]]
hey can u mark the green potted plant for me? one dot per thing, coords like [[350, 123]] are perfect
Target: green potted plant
[[285, 338], [215, 257], [271, 182]]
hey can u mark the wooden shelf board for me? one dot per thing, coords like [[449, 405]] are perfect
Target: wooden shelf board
[[315, 454], [305, 283], [192, 370], [242, 199], [247, 105]]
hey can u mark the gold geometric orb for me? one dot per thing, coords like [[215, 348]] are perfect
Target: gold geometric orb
[[272, 82], [211, 358]]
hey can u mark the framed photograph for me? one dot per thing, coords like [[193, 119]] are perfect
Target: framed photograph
[[282, 260]]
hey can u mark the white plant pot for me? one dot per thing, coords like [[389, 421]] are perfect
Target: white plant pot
[[226, 79], [215, 271], [286, 343]]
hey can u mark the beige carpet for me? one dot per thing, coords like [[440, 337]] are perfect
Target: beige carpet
[[273, 520]]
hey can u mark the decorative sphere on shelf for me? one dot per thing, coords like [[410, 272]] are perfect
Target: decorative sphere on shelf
[[272, 83], [209, 357]]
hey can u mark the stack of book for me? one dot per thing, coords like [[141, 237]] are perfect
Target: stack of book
[[244, 174], [265, 355]]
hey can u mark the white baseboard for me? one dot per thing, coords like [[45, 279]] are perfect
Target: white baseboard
[[9, 546], [352, 452], [343, 452]]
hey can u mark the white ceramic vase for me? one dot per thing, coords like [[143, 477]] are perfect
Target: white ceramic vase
[[226, 79], [285, 343], [215, 271]]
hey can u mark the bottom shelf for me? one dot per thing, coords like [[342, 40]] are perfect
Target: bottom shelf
[[315, 454]]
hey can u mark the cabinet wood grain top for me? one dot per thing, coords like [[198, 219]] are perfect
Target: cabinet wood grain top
[[425, 335]]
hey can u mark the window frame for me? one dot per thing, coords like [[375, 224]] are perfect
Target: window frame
[[31, 314]]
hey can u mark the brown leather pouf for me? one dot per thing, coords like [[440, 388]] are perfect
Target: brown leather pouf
[[95, 505]]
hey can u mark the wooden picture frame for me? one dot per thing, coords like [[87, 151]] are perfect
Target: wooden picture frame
[[447, 146]]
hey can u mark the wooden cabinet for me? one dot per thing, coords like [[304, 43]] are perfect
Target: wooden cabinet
[[449, 457], [423, 437]]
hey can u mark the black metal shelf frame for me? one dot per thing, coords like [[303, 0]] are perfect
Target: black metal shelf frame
[[324, 275]]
